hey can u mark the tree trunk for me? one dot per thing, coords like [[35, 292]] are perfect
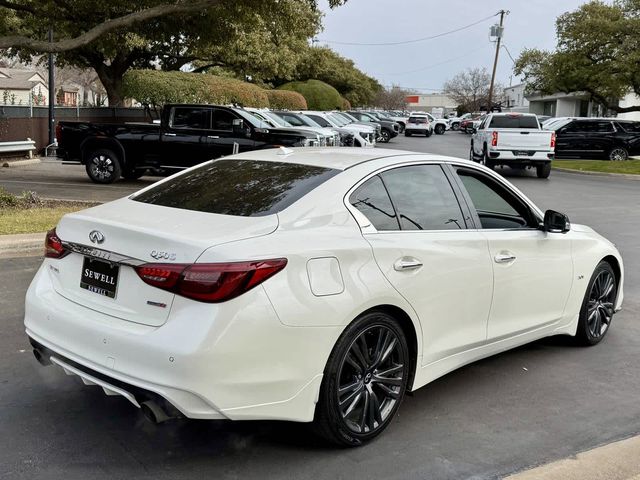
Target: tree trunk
[[111, 80]]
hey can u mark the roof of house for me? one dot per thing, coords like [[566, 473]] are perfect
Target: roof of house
[[19, 79]]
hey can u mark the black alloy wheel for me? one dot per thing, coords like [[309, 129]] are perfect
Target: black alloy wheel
[[440, 129], [365, 381], [598, 306], [385, 136], [103, 166]]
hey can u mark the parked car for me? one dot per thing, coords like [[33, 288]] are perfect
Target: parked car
[[440, 125], [388, 128], [328, 137], [418, 124], [515, 140], [605, 138], [310, 285], [470, 124], [351, 120], [456, 122], [363, 136], [186, 136]]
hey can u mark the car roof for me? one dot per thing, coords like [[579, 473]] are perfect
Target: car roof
[[339, 158]]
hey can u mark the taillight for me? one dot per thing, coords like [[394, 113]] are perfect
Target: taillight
[[494, 139], [53, 247], [553, 139], [209, 282]]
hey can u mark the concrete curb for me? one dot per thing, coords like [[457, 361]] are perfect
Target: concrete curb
[[627, 176], [20, 163], [21, 245]]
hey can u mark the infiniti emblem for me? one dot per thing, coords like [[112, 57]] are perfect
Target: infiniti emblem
[[96, 237]]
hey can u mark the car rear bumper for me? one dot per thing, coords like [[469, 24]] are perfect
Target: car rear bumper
[[521, 156], [233, 360]]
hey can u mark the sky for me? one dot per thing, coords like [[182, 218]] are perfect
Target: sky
[[425, 66]]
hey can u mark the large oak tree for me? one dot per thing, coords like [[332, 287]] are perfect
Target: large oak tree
[[598, 52]]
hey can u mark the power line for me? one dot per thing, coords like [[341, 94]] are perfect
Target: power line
[[471, 52], [416, 40]]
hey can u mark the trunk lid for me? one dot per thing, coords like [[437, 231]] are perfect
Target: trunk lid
[[146, 233]]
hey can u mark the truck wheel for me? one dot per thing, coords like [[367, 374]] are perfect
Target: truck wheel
[[103, 166], [429, 133], [485, 160], [472, 156], [543, 170], [455, 126], [134, 174], [440, 129], [385, 136]]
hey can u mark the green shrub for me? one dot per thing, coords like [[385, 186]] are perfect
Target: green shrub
[[155, 87], [319, 95], [285, 99], [346, 104], [7, 199]]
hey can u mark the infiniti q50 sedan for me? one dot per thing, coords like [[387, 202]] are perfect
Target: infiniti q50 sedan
[[311, 285]]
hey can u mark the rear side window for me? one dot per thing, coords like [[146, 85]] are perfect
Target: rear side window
[[423, 198], [630, 127], [321, 121], [246, 188], [372, 199], [514, 121]]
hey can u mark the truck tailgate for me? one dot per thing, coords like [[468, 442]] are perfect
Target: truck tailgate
[[523, 140]]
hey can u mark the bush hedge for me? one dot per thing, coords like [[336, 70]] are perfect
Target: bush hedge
[[319, 95], [155, 87], [286, 99], [346, 104]]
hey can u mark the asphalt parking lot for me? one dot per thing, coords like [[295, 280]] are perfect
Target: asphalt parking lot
[[528, 406]]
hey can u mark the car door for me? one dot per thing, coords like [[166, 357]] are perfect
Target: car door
[[532, 269], [184, 142], [227, 129], [423, 247], [570, 139]]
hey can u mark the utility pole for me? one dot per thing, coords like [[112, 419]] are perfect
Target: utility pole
[[495, 60], [52, 93]]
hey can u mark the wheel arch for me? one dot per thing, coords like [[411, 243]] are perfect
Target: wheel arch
[[94, 143], [615, 265], [408, 328]]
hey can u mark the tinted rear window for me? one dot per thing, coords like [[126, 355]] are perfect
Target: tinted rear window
[[246, 188], [417, 120], [514, 122]]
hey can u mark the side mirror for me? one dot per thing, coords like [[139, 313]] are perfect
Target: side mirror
[[556, 222], [239, 127]]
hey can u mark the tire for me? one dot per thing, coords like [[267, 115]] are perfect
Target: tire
[[543, 170], [440, 129], [598, 306], [134, 174], [407, 134], [485, 160], [472, 156], [354, 370], [428, 133], [618, 154], [103, 166], [385, 135], [455, 126]]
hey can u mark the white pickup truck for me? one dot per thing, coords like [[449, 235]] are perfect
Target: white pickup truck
[[515, 140]]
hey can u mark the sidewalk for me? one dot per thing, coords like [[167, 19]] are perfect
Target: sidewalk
[[615, 461], [22, 245]]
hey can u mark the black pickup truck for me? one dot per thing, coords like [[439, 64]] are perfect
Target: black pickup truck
[[186, 135]]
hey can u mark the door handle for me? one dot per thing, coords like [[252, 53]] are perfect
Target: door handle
[[504, 257], [169, 134], [406, 263], [213, 136]]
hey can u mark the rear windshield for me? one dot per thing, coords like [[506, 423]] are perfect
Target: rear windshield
[[519, 121], [417, 120], [246, 188]]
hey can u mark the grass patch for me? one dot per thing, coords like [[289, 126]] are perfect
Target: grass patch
[[27, 213], [605, 166]]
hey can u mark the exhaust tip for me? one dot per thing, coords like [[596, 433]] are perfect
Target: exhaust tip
[[42, 359], [154, 412]]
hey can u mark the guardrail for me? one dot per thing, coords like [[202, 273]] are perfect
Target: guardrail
[[27, 146]]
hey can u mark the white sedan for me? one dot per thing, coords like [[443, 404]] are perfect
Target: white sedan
[[311, 285]]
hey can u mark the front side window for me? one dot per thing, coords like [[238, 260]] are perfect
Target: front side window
[[495, 206], [372, 199], [423, 198], [191, 118], [223, 120], [321, 121]]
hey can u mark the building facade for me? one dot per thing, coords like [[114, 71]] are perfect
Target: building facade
[[430, 101], [577, 104], [22, 87], [515, 99]]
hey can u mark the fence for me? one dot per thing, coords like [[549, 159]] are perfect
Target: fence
[[22, 122]]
